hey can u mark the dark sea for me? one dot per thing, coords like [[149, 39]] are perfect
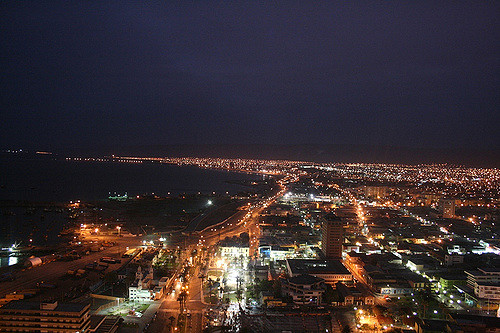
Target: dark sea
[[47, 180], [42, 179]]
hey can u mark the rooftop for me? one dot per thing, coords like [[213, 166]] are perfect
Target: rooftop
[[35, 306], [489, 284], [495, 270], [315, 266], [304, 279]]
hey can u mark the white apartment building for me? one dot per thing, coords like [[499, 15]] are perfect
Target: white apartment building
[[235, 251], [485, 283]]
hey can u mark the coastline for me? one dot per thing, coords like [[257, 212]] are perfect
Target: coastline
[[22, 219]]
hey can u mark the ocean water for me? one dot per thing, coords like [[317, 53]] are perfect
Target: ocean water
[[47, 180]]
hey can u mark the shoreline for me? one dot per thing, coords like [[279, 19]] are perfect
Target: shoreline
[[25, 217]]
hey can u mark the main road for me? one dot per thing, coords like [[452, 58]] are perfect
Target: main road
[[195, 305]]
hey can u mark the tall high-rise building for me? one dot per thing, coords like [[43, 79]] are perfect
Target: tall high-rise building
[[332, 236], [447, 208]]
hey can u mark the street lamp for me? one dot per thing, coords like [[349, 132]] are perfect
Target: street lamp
[[119, 230]]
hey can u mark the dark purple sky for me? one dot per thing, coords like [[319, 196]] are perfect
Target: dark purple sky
[[401, 73]]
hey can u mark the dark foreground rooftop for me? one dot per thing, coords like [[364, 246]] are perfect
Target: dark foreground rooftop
[[36, 306]]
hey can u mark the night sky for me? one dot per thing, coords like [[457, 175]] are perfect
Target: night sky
[[413, 74]]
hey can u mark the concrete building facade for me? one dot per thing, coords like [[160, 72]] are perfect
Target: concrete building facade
[[332, 236], [23, 316]]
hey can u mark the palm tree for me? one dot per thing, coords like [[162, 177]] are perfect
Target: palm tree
[[239, 280], [182, 300], [210, 285]]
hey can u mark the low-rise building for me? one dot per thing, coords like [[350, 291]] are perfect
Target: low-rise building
[[353, 296], [140, 289], [158, 292], [234, 251], [488, 291], [304, 289], [476, 323], [23, 316], [332, 271], [483, 275], [136, 292], [163, 281], [483, 286], [449, 281], [260, 272], [416, 281], [421, 263], [453, 259], [275, 252], [393, 288]]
